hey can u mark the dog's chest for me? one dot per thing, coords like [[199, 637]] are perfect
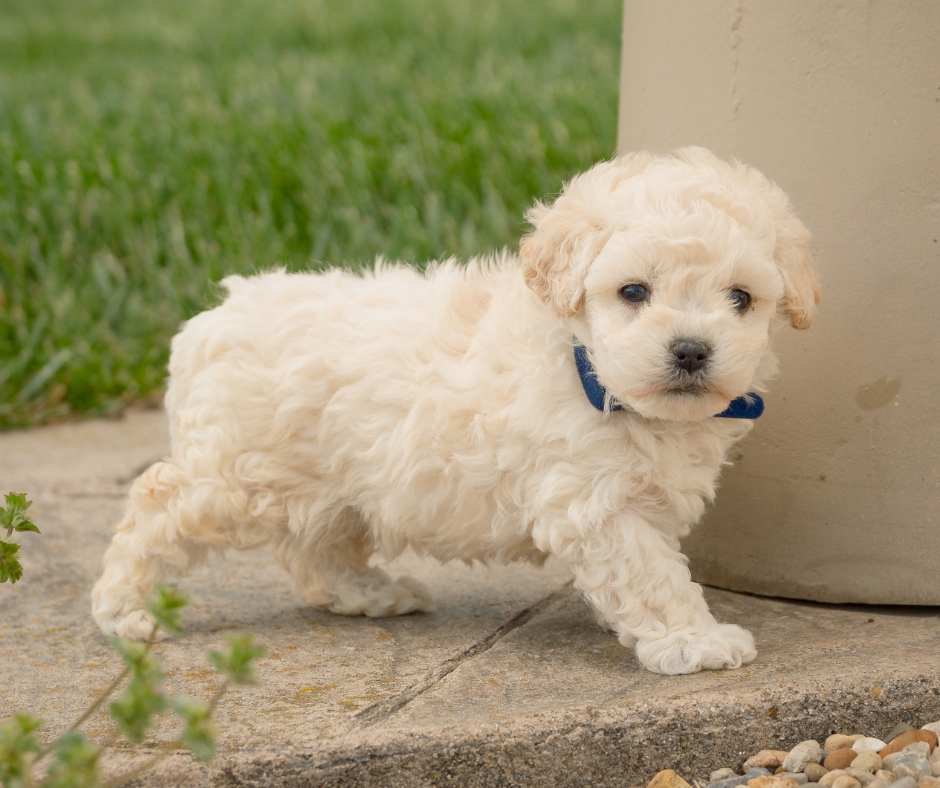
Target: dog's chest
[[678, 473]]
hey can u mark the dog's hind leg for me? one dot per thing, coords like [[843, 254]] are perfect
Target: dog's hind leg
[[333, 572], [169, 525]]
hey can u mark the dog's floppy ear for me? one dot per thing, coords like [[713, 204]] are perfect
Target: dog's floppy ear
[[795, 262], [568, 235], [554, 254], [792, 256]]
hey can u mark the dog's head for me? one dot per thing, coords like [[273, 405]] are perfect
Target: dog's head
[[672, 271]]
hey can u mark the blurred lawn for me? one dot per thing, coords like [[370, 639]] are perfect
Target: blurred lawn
[[149, 148]]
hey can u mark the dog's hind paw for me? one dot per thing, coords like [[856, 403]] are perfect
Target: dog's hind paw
[[722, 646], [377, 600]]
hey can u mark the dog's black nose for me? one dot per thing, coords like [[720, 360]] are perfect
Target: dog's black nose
[[690, 355]]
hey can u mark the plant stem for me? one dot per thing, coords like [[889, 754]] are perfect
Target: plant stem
[[103, 697], [217, 695], [165, 751]]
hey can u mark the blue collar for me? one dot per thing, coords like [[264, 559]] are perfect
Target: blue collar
[[749, 406]]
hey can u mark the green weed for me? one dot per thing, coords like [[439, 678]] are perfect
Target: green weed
[[13, 517], [71, 760]]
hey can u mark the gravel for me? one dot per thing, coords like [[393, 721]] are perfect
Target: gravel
[[909, 758]]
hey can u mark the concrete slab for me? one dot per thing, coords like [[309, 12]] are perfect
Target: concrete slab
[[509, 682]]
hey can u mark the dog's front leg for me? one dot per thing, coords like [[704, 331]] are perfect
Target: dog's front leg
[[642, 588]]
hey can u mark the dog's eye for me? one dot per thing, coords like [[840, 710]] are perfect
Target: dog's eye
[[741, 300], [635, 294]]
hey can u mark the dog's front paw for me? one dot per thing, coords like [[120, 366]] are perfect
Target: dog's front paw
[[722, 646], [136, 625]]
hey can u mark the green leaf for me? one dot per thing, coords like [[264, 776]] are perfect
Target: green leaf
[[200, 731], [75, 764], [166, 608], [10, 567], [17, 744], [131, 651], [235, 664], [16, 502], [14, 515], [133, 713]]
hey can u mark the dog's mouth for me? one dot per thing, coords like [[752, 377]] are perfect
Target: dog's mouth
[[680, 397], [673, 388], [694, 385], [695, 390], [685, 399]]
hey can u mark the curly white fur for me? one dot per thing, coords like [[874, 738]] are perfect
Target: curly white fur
[[337, 416]]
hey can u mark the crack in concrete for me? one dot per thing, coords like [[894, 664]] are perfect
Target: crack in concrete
[[734, 41], [384, 709]]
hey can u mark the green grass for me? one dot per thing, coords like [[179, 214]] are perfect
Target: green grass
[[149, 148]]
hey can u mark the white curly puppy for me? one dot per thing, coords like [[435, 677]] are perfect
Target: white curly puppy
[[337, 416]]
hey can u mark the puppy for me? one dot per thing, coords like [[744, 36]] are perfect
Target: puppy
[[337, 416]]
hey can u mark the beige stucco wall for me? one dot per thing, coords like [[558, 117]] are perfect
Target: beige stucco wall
[[835, 495]]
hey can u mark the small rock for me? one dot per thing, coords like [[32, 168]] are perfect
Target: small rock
[[721, 774], [846, 781], [904, 782], [882, 779], [758, 771], [907, 762], [867, 760], [911, 736], [897, 730], [828, 779], [935, 756], [768, 759], [928, 782], [804, 753], [932, 726], [911, 765], [668, 779], [798, 777], [920, 748], [730, 782], [840, 759], [814, 771], [862, 775], [771, 782], [869, 744], [837, 741]]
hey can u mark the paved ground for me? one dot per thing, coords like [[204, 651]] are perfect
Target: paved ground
[[509, 682]]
